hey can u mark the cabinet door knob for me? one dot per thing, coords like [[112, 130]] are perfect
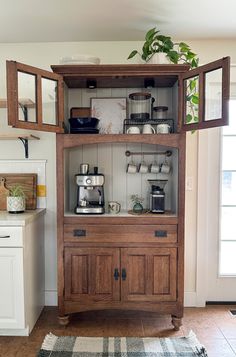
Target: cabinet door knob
[[5, 236], [116, 274], [79, 233], [161, 234], [123, 274]]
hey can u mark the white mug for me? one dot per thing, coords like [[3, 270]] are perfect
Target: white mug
[[165, 168], [113, 207], [143, 167], [131, 168], [133, 130], [148, 129], [163, 128], [154, 168]]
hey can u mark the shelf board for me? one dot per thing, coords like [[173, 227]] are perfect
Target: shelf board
[[72, 140], [25, 102], [17, 136]]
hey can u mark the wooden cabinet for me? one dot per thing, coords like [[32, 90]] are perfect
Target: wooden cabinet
[[120, 274], [122, 261], [149, 274], [90, 274]]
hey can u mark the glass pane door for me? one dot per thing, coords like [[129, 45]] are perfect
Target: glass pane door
[[205, 93], [35, 98]]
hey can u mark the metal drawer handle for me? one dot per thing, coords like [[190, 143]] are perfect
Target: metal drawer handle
[[161, 234], [5, 236], [79, 233]]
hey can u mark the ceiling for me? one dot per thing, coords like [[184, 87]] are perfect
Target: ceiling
[[114, 20]]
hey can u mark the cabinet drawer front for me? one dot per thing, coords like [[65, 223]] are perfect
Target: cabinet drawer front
[[11, 236], [117, 233]]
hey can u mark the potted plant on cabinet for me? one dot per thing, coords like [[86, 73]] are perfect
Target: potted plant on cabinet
[[159, 48], [16, 200]]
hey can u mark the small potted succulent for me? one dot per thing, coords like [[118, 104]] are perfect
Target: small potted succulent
[[16, 200], [137, 205], [159, 48]]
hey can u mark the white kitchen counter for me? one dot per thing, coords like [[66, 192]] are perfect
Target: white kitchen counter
[[20, 219]]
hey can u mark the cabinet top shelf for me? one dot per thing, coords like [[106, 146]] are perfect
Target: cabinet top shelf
[[120, 75], [72, 140]]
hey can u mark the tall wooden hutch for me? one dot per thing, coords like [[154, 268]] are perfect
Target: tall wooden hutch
[[121, 261]]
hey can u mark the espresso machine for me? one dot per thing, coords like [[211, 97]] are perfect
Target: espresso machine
[[157, 196], [90, 191]]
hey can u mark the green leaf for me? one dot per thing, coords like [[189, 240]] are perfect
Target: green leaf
[[195, 99], [193, 84], [183, 44], [151, 33], [196, 120], [194, 62], [132, 54], [188, 118]]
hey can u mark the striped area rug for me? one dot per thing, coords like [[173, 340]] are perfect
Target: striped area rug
[[70, 346]]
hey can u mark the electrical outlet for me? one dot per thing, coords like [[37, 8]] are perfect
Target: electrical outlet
[[189, 183]]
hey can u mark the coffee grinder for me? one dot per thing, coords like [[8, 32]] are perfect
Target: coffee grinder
[[90, 191], [157, 196]]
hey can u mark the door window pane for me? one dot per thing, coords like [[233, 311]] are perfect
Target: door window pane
[[228, 188], [231, 128], [191, 90], [27, 97], [213, 95], [228, 153], [227, 258], [49, 101], [228, 223]]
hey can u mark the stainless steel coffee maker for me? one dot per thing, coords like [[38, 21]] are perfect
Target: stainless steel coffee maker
[[157, 196], [90, 191]]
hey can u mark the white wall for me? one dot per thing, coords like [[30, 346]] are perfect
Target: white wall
[[42, 55]]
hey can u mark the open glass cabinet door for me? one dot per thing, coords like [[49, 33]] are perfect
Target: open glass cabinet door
[[34, 98], [205, 96]]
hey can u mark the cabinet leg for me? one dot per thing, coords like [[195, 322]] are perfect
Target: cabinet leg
[[176, 322], [63, 320]]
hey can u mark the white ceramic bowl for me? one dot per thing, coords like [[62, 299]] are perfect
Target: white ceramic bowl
[[79, 59]]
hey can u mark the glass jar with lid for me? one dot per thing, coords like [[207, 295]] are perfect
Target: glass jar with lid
[[160, 112], [140, 106]]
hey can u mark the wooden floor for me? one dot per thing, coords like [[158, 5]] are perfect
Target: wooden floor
[[214, 326]]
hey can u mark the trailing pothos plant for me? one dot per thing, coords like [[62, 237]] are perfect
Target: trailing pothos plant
[[177, 53]]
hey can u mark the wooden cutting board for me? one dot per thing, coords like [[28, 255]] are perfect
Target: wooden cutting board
[[28, 182], [4, 192]]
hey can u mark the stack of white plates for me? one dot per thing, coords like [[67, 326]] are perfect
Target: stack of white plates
[[79, 59]]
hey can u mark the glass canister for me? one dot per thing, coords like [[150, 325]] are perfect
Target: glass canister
[[160, 112], [140, 106]]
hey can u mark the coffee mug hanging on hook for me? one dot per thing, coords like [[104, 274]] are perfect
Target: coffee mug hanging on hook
[[165, 166]]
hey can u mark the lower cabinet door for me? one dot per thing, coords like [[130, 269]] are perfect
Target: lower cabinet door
[[12, 313], [92, 274], [148, 274]]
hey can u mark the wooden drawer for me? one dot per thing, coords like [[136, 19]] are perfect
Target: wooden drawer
[[117, 233], [11, 237]]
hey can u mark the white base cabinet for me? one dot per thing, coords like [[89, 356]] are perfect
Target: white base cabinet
[[21, 272]]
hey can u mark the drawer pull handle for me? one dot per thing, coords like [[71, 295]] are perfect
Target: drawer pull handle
[[79, 233], [116, 274], [123, 274], [161, 234], [5, 236]]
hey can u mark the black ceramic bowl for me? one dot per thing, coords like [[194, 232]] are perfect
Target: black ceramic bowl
[[88, 122]]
